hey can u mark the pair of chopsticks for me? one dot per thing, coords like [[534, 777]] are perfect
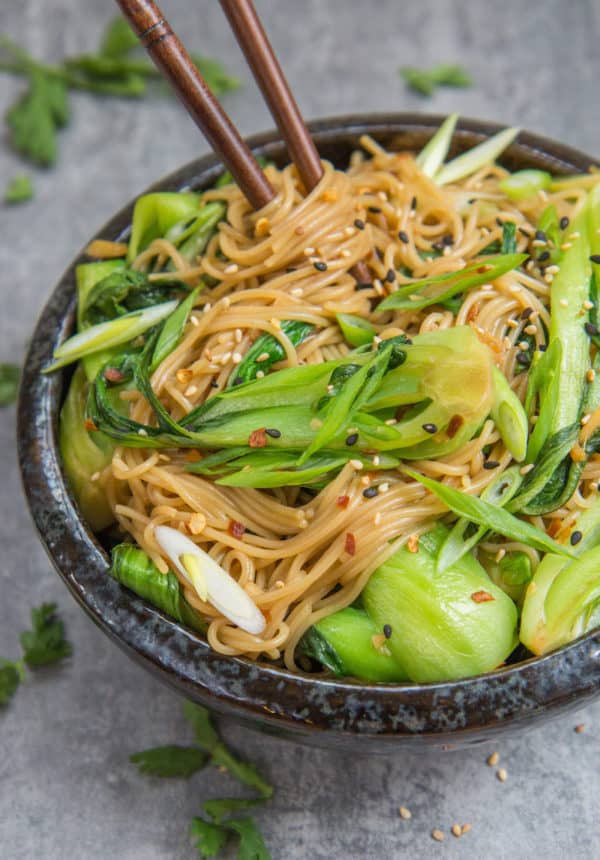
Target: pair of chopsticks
[[171, 58]]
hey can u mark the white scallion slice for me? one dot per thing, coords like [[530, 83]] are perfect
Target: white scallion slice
[[109, 334], [472, 160], [210, 579], [432, 156]]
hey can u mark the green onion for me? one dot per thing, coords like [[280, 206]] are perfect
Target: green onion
[[357, 331], [171, 332], [509, 416], [525, 183], [477, 157], [432, 156]]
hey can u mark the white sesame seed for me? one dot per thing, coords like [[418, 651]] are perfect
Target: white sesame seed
[[226, 302], [438, 835], [405, 813], [346, 252], [377, 518], [365, 480], [587, 305], [564, 303], [356, 464], [194, 320], [383, 488], [260, 374], [297, 291], [552, 270], [237, 335], [308, 251], [376, 460], [565, 246], [487, 288], [206, 307], [191, 390], [142, 432], [575, 235], [95, 476], [585, 419], [231, 269], [502, 774], [493, 759], [500, 555], [523, 344], [524, 470], [349, 231], [263, 356], [224, 358], [237, 357], [512, 323], [530, 329]]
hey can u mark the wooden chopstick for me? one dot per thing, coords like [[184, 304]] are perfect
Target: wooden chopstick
[[267, 72], [253, 40], [174, 62]]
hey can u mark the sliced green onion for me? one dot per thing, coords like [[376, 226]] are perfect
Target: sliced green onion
[[111, 333], [356, 330], [472, 160], [173, 329], [525, 183], [432, 156], [509, 416]]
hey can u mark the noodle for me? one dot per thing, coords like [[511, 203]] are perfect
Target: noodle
[[292, 557]]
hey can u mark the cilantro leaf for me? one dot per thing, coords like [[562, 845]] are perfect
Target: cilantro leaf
[[210, 837], [9, 383], [252, 846], [170, 761], [118, 38], [46, 643], [219, 808], [35, 117], [19, 189], [10, 678], [208, 739], [424, 81]]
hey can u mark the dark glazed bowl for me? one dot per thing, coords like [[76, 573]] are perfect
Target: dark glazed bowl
[[327, 712]]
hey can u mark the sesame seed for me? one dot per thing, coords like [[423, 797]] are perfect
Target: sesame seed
[[365, 480], [466, 828], [502, 774], [346, 252], [540, 235], [356, 464], [359, 224], [493, 759], [530, 329], [590, 375], [377, 518], [297, 291], [299, 231], [95, 476], [405, 813], [231, 269], [214, 384], [320, 266], [564, 303], [376, 460], [224, 358], [579, 728], [576, 536], [194, 320], [349, 231], [563, 223], [352, 439], [260, 374], [545, 255], [370, 492], [522, 358], [374, 209], [524, 345], [438, 835], [238, 380], [552, 270], [387, 630], [590, 329], [403, 237], [237, 357], [456, 830], [524, 232], [526, 313], [142, 432], [263, 356], [390, 276], [383, 488], [575, 235], [191, 390], [430, 428], [308, 251], [595, 258], [525, 470], [565, 246], [587, 305], [413, 203], [512, 323], [500, 555], [491, 464]]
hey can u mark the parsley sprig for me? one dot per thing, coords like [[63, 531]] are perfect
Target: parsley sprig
[[118, 68], [44, 644], [424, 81], [221, 821]]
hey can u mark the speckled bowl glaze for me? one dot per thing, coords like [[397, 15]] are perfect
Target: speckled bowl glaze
[[321, 711]]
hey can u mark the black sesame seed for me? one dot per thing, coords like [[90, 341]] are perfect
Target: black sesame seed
[[387, 630], [413, 203], [576, 536], [403, 237], [359, 224], [542, 347], [491, 464], [273, 432], [591, 329], [595, 258], [541, 236], [438, 246], [499, 222], [370, 492], [290, 269], [390, 276], [523, 359], [564, 223], [320, 266], [363, 286], [214, 384], [526, 313], [352, 439], [430, 428], [545, 255], [374, 209], [524, 232], [237, 381], [448, 239]]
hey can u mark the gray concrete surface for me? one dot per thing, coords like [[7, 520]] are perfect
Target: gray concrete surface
[[66, 788]]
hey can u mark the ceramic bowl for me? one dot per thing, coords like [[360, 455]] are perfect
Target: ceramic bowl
[[321, 711]]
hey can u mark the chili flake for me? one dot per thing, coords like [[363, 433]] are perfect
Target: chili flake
[[258, 438], [482, 597]]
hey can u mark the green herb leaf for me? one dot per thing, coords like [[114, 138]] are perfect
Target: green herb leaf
[[46, 643], [118, 38], [208, 739], [424, 81], [172, 330], [252, 846], [269, 350], [10, 678], [220, 808], [209, 838], [170, 761], [9, 383], [35, 117], [19, 189], [493, 518]]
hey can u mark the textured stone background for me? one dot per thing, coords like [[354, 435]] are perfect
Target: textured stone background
[[66, 788]]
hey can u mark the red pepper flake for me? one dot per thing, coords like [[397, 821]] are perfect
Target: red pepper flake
[[236, 529], [473, 312], [193, 456], [482, 597], [350, 545], [89, 424], [454, 425], [343, 501], [258, 438], [111, 374], [554, 528]]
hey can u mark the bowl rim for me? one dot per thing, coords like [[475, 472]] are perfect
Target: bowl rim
[[280, 700]]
